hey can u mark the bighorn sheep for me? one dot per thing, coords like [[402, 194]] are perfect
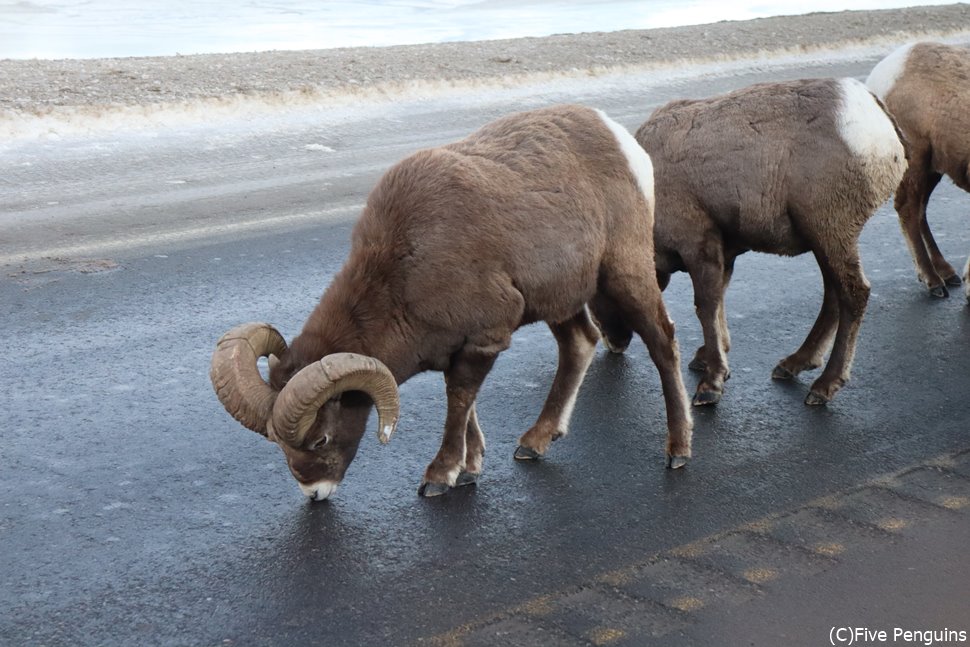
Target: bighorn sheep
[[529, 219], [926, 88], [784, 168]]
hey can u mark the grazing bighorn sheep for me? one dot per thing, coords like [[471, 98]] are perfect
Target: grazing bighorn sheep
[[784, 168], [926, 88], [529, 219]]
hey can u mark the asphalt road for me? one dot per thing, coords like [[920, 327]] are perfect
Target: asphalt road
[[134, 510]]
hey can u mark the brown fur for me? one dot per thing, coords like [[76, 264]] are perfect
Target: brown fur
[[931, 102], [764, 168], [526, 220]]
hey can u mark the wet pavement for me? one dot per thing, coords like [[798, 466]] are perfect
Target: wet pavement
[[887, 556], [134, 510]]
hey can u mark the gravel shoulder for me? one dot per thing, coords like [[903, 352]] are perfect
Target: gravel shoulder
[[32, 88]]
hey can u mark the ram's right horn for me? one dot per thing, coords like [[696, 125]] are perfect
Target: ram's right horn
[[235, 376]]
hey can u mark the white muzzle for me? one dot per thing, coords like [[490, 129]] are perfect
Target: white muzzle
[[320, 490]]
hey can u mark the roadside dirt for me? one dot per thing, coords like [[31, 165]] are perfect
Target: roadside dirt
[[30, 88]]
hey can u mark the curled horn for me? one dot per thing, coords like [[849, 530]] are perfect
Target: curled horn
[[235, 376], [307, 391]]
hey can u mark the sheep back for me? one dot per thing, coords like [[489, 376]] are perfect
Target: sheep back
[[534, 201], [773, 165], [926, 87]]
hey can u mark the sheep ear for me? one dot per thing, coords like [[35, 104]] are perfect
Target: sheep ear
[[273, 361]]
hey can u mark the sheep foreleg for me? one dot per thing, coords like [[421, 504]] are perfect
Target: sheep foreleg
[[709, 279], [474, 451], [577, 344], [943, 269], [463, 378], [638, 298]]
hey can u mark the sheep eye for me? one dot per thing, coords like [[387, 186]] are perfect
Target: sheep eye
[[320, 443]]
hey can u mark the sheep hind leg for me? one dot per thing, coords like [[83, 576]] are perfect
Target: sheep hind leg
[[965, 185], [642, 304], [463, 378], [577, 339], [812, 351], [852, 290], [912, 196]]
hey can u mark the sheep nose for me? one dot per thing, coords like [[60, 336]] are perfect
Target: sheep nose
[[320, 490]]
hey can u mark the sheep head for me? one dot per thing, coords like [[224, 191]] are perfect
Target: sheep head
[[317, 413]]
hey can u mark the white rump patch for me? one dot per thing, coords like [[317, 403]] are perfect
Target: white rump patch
[[887, 71], [320, 490], [636, 157], [865, 127]]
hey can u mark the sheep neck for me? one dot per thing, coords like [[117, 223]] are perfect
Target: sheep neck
[[358, 314]]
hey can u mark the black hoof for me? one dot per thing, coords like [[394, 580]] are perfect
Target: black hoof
[[697, 364], [703, 398], [429, 490], [676, 462], [814, 399], [526, 454], [782, 373], [953, 281], [466, 478], [940, 292]]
